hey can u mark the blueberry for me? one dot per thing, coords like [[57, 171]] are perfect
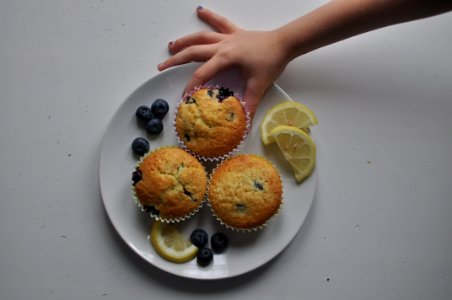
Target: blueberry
[[160, 107], [137, 175], [258, 185], [140, 146], [144, 113], [240, 207], [199, 238], [224, 93], [204, 256], [154, 126], [191, 101], [219, 242], [150, 209], [189, 194]]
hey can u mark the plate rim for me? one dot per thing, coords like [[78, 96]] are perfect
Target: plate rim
[[314, 176]]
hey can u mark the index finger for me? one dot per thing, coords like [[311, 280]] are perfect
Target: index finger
[[198, 38], [206, 72]]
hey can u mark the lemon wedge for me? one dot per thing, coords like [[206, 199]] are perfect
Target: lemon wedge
[[298, 149], [170, 244], [290, 113]]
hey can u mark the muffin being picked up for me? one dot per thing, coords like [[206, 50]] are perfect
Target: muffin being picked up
[[245, 191], [169, 184], [211, 122]]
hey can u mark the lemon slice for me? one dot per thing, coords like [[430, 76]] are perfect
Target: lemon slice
[[170, 244], [288, 113], [298, 149]]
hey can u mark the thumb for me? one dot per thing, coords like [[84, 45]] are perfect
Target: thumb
[[252, 98]]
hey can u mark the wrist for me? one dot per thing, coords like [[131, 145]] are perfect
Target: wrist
[[292, 42]]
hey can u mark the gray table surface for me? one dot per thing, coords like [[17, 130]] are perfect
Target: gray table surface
[[380, 226]]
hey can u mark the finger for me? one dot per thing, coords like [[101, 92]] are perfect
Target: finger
[[190, 54], [198, 38], [217, 21], [254, 92], [206, 72]]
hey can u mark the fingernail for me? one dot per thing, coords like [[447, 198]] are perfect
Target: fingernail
[[170, 43], [200, 7]]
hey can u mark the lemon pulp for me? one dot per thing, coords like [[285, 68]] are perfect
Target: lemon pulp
[[170, 244], [298, 149], [290, 113]]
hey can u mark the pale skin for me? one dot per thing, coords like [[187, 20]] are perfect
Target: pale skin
[[262, 56]]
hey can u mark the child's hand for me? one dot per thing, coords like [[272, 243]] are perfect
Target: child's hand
[[259, 55]]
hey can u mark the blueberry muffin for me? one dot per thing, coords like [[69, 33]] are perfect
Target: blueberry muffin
[[245, 191], [169, 184], [211, 122]]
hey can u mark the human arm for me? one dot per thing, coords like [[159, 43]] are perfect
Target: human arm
[[262, 56], [341, 19]]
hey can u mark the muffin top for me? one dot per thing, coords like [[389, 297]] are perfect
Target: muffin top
[[245, 191], [211, 122], [170, 183]]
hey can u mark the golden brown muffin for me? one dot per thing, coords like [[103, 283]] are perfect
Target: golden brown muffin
[[245, 191], [170, 184], [211, 122]]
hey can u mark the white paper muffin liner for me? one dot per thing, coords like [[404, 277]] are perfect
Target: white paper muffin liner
[[157, 216], [220, 158], [238, 229]]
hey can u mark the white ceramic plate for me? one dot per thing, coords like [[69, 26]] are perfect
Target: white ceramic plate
[[247, 251]]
